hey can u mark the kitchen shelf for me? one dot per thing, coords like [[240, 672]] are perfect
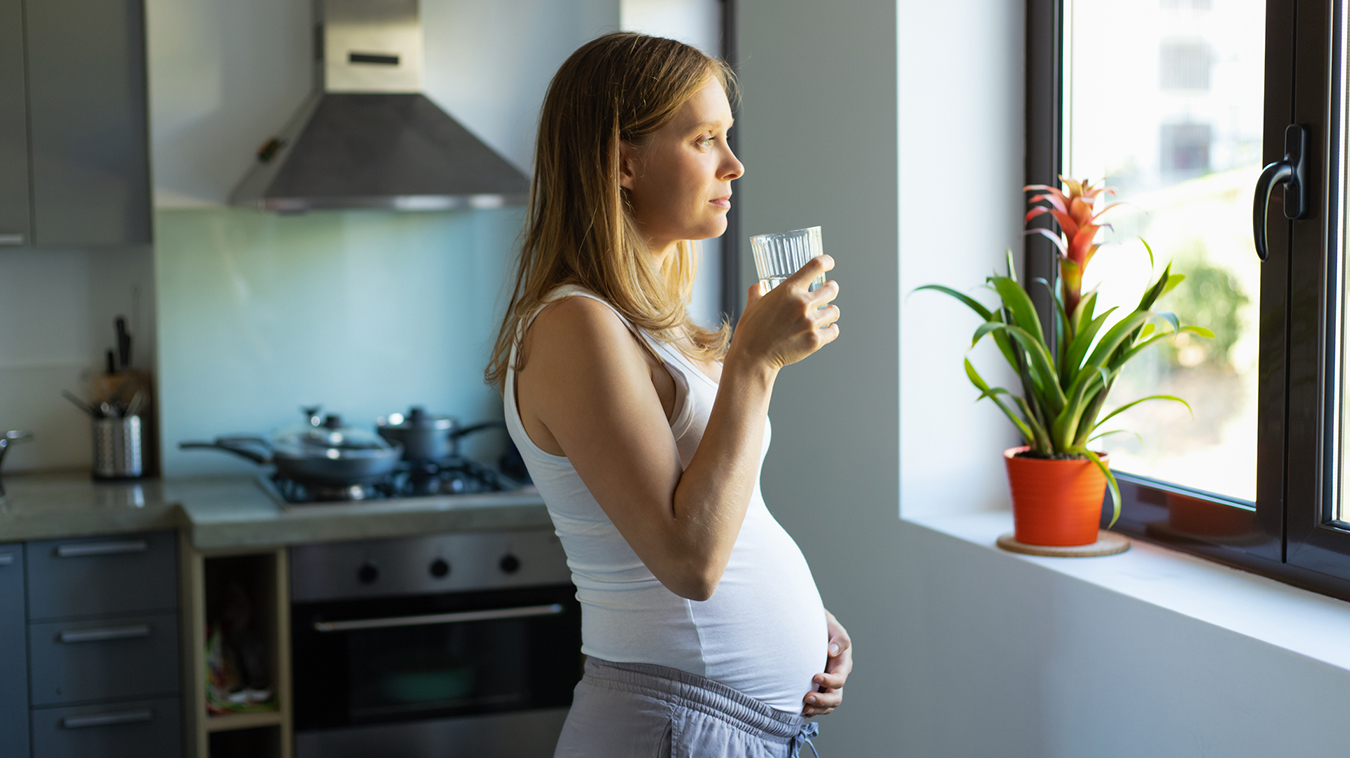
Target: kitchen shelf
[[264, 742], [231, 721], [208, 582]]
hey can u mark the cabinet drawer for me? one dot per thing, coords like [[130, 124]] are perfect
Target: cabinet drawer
[[135, 729], [128, 656], [102, 575], [13, 656]]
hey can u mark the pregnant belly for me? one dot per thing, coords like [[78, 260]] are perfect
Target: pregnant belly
[[763, 632]]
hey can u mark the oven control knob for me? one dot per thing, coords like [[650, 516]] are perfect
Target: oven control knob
[[439, 568], [510, 564], [368, 573]]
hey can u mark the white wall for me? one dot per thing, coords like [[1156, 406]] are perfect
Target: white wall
[[818, 140], [1002, 657], [59, 308], [961, 173]]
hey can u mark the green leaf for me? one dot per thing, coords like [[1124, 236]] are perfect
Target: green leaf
[[1082, 342], [1096, 437], [1110, 482], [1064, 332], [1170, 318], [1150, 253], [1199, 330], [1114, 337], [1012, 273], [1130, 405], [992, 394], [1043, 379], [1148, 329], [1016, 300], [1038, 438], [1155, 291], [972, 303], [1172, 282], [1066, 423]]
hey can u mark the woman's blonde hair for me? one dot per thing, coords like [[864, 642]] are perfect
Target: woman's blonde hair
[[621, 87]]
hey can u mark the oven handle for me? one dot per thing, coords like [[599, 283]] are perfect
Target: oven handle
[[437, 618]]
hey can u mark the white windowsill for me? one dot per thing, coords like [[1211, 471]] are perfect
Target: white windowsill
[[1296, 620]]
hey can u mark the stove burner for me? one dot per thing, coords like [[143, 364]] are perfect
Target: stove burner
[[452, 476]]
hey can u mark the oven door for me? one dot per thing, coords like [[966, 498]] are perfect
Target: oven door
[[402, 660]]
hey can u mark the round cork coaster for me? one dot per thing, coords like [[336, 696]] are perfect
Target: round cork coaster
[[1108, 543]]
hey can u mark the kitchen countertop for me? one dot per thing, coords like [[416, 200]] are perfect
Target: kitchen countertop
[[231, 512]]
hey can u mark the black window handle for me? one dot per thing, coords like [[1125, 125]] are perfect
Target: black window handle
[[1292, 172]]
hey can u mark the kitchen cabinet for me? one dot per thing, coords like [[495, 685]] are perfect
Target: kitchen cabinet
[[74, 153], [103, 674], [13, 656], [15, 216]]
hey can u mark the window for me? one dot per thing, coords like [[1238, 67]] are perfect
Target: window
[[1179, 105], [1183, 65]]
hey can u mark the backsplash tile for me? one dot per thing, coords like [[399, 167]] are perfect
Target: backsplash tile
[[365, 312]]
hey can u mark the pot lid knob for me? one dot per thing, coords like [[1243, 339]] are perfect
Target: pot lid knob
[[417, 414], [332, 421]]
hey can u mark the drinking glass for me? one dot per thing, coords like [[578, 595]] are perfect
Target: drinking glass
[[778, 256]]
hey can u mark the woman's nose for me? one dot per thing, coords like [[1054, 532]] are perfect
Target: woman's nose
[[732, 168]]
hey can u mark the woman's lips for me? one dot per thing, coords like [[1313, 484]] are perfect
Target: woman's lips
[[722, 202]]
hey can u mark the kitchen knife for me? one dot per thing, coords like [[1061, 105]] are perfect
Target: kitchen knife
[[123, 343]]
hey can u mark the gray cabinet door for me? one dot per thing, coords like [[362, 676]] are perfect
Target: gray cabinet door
[[87, 110], [125, 729], [13, 656], [100, 576], [14, 209]]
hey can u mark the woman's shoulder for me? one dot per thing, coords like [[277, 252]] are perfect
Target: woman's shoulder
[[574, 327]]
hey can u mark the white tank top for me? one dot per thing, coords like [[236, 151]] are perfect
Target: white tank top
[[762, 632]]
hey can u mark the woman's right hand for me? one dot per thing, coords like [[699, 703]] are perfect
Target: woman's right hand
[[789, 322]]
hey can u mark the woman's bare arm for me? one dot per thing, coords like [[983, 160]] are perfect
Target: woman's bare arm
[[589, 384]]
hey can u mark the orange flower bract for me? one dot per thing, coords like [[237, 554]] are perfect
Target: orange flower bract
[[1074, 210]]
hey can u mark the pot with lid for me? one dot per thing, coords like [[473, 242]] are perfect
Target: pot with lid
[[425, 437], [322, 452]]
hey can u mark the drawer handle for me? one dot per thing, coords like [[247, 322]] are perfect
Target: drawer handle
[[101, 548], [6, 559], [437, 618], [102, 635], [107, 719], [11, 239]]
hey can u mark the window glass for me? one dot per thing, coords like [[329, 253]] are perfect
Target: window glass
[[1163, 99]]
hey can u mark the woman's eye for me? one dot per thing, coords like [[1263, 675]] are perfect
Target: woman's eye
[[705, 141]]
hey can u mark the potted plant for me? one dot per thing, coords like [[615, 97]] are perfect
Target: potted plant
[[1058, 483]]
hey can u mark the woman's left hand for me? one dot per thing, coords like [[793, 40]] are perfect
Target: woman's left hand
[[829, 692]]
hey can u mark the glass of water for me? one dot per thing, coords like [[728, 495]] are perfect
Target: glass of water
[[778, 256]]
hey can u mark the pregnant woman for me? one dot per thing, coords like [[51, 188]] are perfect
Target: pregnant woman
[[645, 433]]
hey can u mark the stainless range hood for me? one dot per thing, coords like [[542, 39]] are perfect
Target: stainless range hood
[[368, 138]]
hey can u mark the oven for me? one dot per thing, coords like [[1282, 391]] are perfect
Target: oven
[[444, 645]]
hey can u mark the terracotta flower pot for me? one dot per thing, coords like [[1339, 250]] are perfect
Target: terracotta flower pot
[[1057, 503]]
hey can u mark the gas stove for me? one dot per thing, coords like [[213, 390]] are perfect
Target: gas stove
[[453, 476]]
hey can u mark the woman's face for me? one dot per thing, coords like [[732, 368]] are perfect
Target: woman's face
[[679, 182]]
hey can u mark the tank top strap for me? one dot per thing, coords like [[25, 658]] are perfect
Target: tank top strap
[[576, 290]]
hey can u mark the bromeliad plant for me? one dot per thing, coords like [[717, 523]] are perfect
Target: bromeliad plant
[[1067, 373]]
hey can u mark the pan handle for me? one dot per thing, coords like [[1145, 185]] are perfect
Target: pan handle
[[240, 446], [471, 428]]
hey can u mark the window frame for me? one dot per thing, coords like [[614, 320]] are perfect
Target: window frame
[[1287, 534]]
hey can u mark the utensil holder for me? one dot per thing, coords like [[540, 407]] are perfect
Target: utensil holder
[[118, 448]]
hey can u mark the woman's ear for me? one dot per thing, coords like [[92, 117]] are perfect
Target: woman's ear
[[628, 162]]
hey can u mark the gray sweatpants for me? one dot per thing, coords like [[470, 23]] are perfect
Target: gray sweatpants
[[639, 710]]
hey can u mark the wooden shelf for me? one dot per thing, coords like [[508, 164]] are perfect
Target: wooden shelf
[[205, 577], [232, 721]]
